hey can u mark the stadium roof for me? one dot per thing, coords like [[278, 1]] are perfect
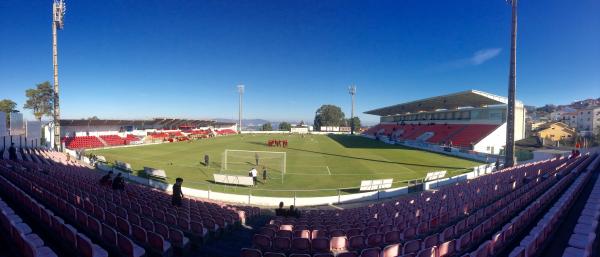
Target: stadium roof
[[469, 98], [163, 122]]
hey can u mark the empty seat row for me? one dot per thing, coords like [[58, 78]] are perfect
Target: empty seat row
[[113, 140], [584, 234], [31, 243], [117, 218], [526, 216], [79, 142], [463, 135], [375, 228]]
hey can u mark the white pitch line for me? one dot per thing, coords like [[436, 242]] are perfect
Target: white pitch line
[[328, 171]]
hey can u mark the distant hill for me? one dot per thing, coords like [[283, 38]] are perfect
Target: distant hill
[[549, 108], [255, 124]]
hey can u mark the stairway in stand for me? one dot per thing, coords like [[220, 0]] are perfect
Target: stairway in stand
[[103, 142]]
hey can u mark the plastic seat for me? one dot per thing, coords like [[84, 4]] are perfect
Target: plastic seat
[[157, 243], [392, 237], [428, 252], [483, 250], [128, 247], [270, 233], [123, 226], [338, 243], [356, 243], [412, 246], [464, 241], [69, 234], [261, 242], [139, 234], [347, 254], [284, 233], [370, 252], [430, 241], [300, 245], [109, 235], [304, 233], [374, 240], [88, 249], [392, 250], [177, 238], [273, 254], [282, 244], [249, 252], [320, 245], [447, 248]]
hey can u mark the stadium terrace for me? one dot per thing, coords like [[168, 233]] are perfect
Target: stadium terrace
[[436, 177], [469, 120]]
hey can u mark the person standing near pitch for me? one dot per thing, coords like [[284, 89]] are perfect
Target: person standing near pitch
[[256, 158], [177, 195], [206, 159], [254, 174], [264, 174]]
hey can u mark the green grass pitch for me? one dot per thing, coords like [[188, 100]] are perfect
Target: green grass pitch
[[313, 162]]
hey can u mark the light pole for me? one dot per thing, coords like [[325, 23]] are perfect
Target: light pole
[[241, 92], [58, 14], [352, 91], [509, 152]]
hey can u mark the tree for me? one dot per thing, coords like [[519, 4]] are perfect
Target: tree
[[354, 121], [284, 126], [8, 106], [40, 100], [267, 127], [328, 115], [93, 118]]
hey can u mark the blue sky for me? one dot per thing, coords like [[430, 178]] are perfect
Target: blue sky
[[143, 59]]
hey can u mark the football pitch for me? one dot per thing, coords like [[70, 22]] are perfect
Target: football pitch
[[312, 162]]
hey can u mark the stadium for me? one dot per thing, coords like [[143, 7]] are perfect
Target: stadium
[[435, 176]]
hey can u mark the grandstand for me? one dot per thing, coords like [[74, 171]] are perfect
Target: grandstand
[[469, 120], [89, 134], [514, 212], [62, 197]]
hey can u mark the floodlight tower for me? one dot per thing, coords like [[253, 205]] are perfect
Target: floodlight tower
[[509, 152], [241, 92], [58, 14], [352, 91]]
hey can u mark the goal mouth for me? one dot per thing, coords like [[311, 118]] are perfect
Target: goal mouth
[[240, 162]]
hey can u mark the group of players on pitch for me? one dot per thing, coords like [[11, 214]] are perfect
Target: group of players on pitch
[[277, 143]]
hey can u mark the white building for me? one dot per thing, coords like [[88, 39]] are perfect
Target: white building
[[585, 121], [588, 120]]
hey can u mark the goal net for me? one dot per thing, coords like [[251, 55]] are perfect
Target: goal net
[[240, 162]]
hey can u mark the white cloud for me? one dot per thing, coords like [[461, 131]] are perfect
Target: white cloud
[[478, 58], [484, 55]]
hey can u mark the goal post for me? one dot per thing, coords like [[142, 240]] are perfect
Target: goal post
[[239, 162]]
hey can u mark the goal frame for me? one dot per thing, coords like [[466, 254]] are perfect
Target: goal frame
[[227, 151]]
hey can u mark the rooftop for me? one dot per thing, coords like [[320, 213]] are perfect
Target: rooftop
[[164, 122], [469, 98]]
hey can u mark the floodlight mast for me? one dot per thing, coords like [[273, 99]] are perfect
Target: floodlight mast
[[58, 14], [352, 91], [509, 152], [241, 92]]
